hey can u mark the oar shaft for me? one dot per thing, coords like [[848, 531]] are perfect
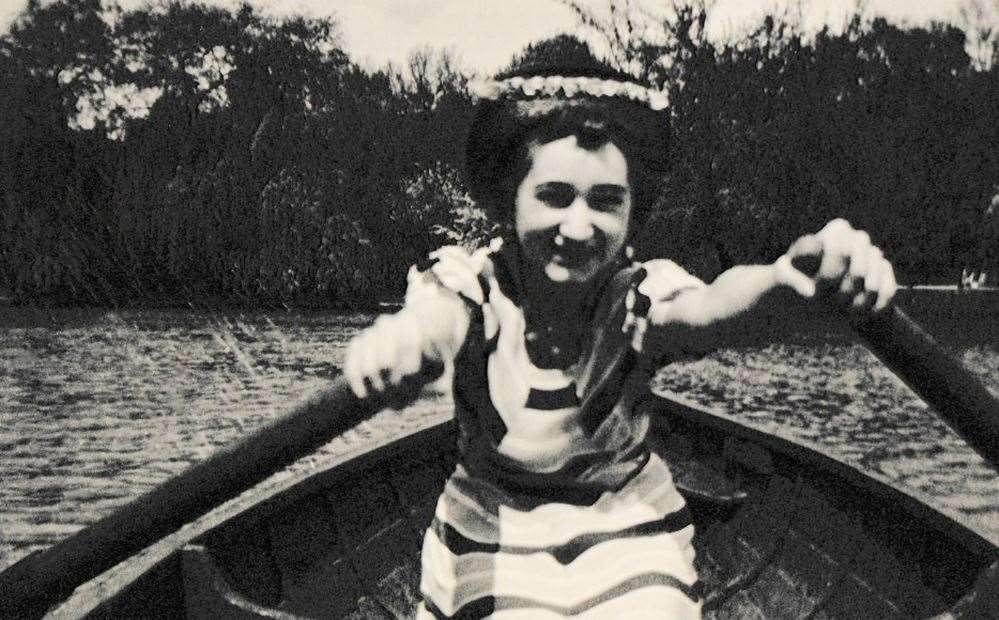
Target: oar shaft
[[41, 579], [930, 371], [937, 376]]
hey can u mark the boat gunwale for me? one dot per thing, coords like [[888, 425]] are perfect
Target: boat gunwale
[[911, 503], [280, 490]]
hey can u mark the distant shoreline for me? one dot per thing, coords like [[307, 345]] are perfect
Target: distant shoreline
[[380, 306], [390, 304], [947, 287]]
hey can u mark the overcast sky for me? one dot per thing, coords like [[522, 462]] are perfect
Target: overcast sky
[[486, 33]]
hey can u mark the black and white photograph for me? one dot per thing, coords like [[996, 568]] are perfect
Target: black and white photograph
[[425, 309]]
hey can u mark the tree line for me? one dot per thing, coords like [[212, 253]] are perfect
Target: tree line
[[184, 154]]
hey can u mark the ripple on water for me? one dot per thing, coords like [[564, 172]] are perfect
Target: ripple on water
[[841, 398]]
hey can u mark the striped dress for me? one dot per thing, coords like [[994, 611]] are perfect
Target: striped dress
[[556, 507]]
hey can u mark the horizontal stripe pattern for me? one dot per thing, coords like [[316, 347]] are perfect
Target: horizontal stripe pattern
[[475, 507], [459, 544], [547, 400], [481, 556], [626, 599], [565, 514], [540, 578]]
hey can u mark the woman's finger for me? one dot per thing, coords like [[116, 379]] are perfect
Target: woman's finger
[[872, 279], [807, 245], [788, 275], [860, 254], [835, 227], [888, 286], [351, 370], [835, 253]]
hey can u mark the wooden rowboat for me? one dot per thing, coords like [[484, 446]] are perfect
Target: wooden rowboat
[[782, 530]]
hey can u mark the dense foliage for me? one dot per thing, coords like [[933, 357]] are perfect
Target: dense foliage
[[182, 154]]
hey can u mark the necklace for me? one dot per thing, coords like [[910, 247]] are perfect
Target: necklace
[[553, 346]]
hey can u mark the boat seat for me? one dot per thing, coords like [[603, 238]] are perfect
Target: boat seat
[[695, 480], [698, 477], [209, 595]]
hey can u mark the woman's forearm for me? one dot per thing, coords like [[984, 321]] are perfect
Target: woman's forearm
[[733, 292]]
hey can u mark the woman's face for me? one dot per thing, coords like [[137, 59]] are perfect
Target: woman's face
[[572, 210]]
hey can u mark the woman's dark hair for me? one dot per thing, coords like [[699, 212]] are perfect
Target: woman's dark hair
[[497, 157]]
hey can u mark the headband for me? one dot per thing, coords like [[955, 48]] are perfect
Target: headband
[[549, 86]]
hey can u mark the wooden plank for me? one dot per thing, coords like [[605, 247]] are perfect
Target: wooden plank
[[382, 544], [779, 595], [740, 606], [807, 572], [317, 580], [243, 551], [363, 508], [827, 528], [209, 595], [764, 522], [854, 599], [418, 480], [368, 608]]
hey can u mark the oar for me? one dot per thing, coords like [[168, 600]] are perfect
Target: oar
[[929, 370], [42, 579], [936, 376]]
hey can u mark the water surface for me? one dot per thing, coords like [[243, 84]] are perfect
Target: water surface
[[98, 407]]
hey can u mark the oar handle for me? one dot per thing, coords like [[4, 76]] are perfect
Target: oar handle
[[929, 369], [39, 580]]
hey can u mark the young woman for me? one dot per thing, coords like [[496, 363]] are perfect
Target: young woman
[[557, 506]]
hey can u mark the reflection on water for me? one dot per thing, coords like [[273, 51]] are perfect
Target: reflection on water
[[96, 408]]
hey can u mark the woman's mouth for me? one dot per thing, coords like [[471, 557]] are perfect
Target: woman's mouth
[[573, 254]]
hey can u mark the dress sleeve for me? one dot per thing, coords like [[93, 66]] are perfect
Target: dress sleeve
[[448, 271], [664, 280], [660, 282]]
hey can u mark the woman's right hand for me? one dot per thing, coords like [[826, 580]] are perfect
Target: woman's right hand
[[384, 354]]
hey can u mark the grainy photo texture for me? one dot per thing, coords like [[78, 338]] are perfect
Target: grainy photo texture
[[543, 308]]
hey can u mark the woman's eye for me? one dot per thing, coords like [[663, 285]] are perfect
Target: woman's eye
[[556, 197], [605, 202]]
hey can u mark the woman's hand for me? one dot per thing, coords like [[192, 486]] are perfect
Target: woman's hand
[[384, 354], [852, 274]]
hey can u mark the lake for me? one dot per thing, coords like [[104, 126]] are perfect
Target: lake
[[97, 407]]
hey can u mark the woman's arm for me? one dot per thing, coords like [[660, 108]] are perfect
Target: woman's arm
[[852, 275], [430, 327], [732, 293]]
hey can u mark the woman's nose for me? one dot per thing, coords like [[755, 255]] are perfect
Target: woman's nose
[[577, 224]]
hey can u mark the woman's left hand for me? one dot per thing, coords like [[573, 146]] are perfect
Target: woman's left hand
[[853, 273]]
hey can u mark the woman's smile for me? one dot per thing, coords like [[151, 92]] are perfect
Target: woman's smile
[[574, 254]]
